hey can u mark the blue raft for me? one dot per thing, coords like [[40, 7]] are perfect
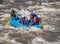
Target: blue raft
[[17, 24]]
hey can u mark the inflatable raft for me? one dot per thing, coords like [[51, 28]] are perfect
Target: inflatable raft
[[18, 24]]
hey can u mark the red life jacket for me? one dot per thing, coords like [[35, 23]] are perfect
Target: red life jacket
[[36, 21], [32, 17]]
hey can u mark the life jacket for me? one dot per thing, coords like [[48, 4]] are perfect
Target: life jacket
[[36, 21], [31, 17]]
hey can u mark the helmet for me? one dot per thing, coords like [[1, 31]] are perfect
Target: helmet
[[33, 14], [36, 17]]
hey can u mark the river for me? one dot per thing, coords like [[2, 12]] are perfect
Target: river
[[49, 11]]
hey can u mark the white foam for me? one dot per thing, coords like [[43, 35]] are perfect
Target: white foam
[[38, 40]]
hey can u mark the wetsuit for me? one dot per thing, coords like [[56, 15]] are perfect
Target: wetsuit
[[13, 14]]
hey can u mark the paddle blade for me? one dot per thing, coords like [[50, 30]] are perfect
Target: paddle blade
[[8, 23]]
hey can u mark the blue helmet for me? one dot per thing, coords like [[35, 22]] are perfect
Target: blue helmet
[[33, 14], [36, 17]]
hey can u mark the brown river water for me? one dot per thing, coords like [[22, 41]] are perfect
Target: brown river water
[[50, 13]]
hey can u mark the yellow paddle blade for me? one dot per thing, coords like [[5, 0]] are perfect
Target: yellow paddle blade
[[43, 25], [8, 23]]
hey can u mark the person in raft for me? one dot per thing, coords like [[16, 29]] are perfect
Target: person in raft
[[37, 20], [13, 15], [32, 16], [24, 21], [27, 22]]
